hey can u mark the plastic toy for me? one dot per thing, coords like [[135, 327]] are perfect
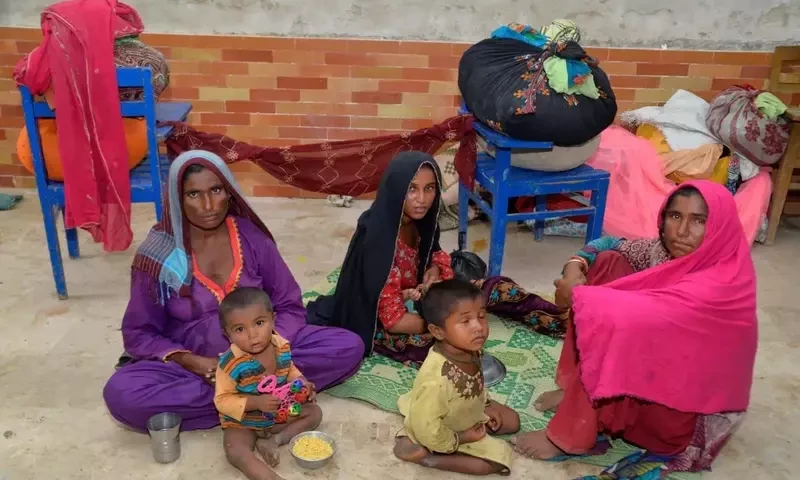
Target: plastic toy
[[292, 395]]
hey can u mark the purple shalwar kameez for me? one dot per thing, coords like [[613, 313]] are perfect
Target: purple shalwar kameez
[[151, 331]]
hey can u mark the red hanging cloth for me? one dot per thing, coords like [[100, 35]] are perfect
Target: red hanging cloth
[[76, 60], [350, 167]]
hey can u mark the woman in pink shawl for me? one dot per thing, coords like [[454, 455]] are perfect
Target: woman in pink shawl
[[662, 343]]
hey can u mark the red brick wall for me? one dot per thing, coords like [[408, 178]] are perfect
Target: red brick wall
[[280, 91]]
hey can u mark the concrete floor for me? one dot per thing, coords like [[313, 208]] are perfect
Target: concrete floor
[[56, 355]]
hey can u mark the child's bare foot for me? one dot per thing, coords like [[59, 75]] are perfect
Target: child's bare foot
[[239, 444], [549, 401], [535, 445], [268, 448], [406, 450]]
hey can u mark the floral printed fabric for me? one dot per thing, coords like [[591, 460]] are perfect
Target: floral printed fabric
[[537, 80], [508, 300], [468, 386], [641, 253], [402, 276], [734, 118]]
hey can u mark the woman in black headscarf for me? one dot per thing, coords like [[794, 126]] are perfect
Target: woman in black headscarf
[[393, 257]]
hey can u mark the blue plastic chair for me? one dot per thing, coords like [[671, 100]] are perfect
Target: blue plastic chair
[[146, 179], [503, 181]]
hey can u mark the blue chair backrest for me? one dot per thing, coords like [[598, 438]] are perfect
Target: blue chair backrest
[[139, 78], [502, 162]]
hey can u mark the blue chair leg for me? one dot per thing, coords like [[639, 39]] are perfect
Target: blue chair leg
[[51, 232], [159, 208], [73, 247], [498, 236], [463, 215], [497, 239], [541, 206], [594, 229]]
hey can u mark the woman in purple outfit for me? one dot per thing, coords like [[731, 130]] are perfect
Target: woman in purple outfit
[[208, 243]]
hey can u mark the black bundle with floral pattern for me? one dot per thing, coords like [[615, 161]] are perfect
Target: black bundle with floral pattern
[[504, 84]]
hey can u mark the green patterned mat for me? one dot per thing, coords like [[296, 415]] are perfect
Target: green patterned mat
[[530, 360]]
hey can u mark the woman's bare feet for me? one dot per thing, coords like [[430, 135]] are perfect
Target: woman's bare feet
[[535, 445], [406, 450], [268, 448], [549, 401]]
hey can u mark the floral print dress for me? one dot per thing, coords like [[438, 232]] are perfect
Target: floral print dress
[[408, 349]]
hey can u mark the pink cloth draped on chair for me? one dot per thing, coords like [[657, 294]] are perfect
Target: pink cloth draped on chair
[[639, 187]]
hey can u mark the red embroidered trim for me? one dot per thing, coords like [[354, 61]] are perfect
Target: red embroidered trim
[[238, 263]]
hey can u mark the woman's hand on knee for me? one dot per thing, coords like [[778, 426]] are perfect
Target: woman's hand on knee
[[205, 367], [564, 286], [574, 273]]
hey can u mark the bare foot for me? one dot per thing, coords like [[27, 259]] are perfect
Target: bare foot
[[535, 445], [405, 449], [268, 448], [549, 401]]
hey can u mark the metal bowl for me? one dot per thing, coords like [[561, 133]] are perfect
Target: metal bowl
[[312, 464], [493, 370]]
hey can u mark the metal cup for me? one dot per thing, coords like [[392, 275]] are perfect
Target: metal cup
[[165, 440]]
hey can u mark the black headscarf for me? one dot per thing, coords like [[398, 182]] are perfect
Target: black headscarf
[[370, 256]]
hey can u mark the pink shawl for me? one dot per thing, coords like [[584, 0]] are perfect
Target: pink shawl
[[682, 334], [76, 60], [639, 186]]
